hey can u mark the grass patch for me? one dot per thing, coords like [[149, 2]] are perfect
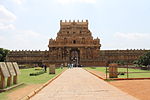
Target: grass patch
[[3, 96], [134, 75], [27, 79], [101, 69]]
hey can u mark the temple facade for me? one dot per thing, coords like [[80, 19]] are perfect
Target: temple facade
[[74, 44]]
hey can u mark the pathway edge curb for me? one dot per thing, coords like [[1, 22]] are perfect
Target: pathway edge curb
[[94, 74], [30, 95]]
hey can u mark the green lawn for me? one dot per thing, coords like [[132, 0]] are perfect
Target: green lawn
[[25, 78], [3, 96], [101, 69], [131, 75]]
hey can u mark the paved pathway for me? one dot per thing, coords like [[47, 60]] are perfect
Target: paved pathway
[[78, 84]]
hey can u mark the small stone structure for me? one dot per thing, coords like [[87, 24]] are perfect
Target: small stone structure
[[9, 70], [113, 70], [17, 71], [52, 69]]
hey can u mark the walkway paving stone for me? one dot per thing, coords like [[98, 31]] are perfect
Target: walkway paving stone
[[78, 84]]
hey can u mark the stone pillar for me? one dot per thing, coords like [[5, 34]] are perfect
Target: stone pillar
[[9, 81], [2, 82], [52, 69], [15, 79], [113, 70]]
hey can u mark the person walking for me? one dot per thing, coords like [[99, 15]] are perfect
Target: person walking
[[45, 67]]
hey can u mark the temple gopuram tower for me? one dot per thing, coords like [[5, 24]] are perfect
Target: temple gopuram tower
[[74, 44]]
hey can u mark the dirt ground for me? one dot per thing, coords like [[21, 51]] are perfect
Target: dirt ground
[[21, 92], [137, 88]]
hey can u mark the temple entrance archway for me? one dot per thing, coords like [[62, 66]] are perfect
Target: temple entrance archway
[[75, 57]]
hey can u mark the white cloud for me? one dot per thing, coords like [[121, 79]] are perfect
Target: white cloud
[[29, 39], [19, 2], [1, 38], [76, 1], [6, 26], [137, 40], [132, 36], [6, 19], [24, 39], [6, 15], [27, 34]]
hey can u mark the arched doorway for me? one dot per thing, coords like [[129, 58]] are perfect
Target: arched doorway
[[75, 57]]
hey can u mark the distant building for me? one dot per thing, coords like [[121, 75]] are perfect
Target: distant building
[[74, 44]]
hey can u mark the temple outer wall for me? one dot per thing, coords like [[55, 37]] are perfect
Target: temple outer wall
[[93, 63], [38, 57]]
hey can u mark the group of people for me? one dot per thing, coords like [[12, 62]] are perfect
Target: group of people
[[70, 65]]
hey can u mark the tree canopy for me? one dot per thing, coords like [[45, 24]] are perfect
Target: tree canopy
[[145, 59], [3, 53]]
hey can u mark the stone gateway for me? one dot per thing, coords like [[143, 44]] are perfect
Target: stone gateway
[[74, 44]]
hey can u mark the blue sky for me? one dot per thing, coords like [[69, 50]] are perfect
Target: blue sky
[[29, 24]]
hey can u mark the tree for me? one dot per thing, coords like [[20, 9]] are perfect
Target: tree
[[1, 56], [145, 59], [3, 53], [135, 62], [120, 62]]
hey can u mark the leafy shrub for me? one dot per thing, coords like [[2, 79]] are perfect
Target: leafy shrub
[[37, 73], [121, 73]]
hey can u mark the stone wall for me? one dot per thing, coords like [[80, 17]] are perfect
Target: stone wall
[[27, 57], [122, 55], [38, 57]]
